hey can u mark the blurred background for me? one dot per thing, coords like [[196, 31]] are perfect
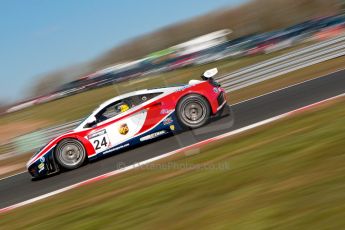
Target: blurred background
[[61, 59]]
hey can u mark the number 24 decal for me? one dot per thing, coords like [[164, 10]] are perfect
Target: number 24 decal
[[99, 143]]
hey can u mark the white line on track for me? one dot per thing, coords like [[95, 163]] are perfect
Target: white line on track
[[286, 87], [140, 164], [12, 175]]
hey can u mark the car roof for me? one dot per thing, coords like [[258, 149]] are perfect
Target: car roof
[[138, 92]]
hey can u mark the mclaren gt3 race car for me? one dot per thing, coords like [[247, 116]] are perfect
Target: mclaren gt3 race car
[[131, 119]]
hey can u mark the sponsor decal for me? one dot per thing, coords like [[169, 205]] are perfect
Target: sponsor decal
[[172, 127], [121, 146], [166, 111], [40, 167], [167, 121], [153, 135], [117, 148], [102, 132], [216, 90], [123, 129], [183, 88], [144, 98], [42, 159]]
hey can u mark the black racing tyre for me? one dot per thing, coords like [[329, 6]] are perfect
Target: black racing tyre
[[70, 153], [193, 111]]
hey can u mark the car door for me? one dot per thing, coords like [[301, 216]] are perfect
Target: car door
[[126, 128], [121, 129]]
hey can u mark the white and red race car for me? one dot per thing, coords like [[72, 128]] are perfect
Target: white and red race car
[[130, 119]]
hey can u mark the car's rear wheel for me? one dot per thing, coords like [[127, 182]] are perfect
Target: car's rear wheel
[[193, 111], [70, 153]]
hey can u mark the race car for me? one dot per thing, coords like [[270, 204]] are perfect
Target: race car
[[132, 119]]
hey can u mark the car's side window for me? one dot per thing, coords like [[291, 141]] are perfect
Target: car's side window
[[112, 110], [139, 99], [123, 105]]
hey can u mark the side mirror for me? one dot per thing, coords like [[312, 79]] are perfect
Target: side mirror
[[91, 122]]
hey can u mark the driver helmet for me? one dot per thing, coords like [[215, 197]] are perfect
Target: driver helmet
[[123, 107]]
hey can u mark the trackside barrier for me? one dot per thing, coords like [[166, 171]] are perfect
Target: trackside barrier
[[283, 64]]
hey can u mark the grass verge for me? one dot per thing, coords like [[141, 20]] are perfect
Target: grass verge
[[286, 175]]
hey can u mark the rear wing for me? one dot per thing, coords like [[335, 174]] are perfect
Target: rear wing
[[208, 76], [209, 73]]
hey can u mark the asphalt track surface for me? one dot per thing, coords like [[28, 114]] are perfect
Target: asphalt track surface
[[20, 187]]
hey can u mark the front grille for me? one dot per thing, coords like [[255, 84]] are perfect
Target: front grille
[[220, 99]]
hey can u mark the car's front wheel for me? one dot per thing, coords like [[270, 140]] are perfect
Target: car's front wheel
[[193, 111], [70, 153]]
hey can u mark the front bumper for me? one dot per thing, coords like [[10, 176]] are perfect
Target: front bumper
[[43, 166]]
